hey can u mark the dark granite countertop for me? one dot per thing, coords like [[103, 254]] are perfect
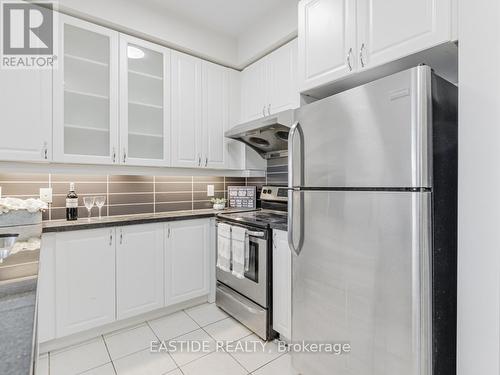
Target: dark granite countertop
[[18, 290], [113, 221]]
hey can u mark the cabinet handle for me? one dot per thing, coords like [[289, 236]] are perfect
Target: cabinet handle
[[361, 55], [269, 109], [168, 232], [199, 160], [121, 236], [206, 161], [114, 155], [124, 155], [349, 65], [110, 237], [264, 111], [45, 152]]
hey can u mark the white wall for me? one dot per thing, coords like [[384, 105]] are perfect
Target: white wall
[[277, 28], [158, 26], [479, 188]]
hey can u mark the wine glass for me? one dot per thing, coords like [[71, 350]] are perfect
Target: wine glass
[[89, 203], [99, 202]]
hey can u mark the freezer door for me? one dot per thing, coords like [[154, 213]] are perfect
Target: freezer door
[[376, 135], [363, 278]]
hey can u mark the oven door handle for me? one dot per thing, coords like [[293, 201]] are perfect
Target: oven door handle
[[247, 253]]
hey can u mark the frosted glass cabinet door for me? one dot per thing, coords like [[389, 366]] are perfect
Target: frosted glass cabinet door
[[86, 94], [144, 102]]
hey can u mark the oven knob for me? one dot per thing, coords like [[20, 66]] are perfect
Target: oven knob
[[264, 191]]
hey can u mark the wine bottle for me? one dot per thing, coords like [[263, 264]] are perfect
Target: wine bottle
[[71, 203]]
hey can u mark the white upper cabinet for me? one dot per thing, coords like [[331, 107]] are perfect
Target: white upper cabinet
[[282, 72], [139, 269], [26, 109], [270, 84], [253, 91], [144, 103], [186, 110], [84, 280], [340, 37], [327, 41], [86, 94], [187, 260], [201, 112], [391, 29], [215, 117]]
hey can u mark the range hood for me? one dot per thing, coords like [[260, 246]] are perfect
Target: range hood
[[267, 135]]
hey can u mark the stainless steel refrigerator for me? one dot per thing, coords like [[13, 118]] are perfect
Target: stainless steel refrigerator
[[372, 227]]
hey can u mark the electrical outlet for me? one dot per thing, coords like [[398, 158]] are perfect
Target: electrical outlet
[[46, 195], [210, 190]]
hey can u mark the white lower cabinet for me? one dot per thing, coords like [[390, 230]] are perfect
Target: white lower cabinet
[[282, 285], [89, 278], [187, 260], [139, 269], [84, 280]]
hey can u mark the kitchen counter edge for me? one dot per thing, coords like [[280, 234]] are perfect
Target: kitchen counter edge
[[135, 219]]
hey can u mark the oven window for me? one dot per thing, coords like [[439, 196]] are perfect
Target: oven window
[[252, 271]]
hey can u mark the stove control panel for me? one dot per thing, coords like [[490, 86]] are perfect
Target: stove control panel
[[242, 196], [274, 193]]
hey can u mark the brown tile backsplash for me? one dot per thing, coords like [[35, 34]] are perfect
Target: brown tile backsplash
[[173, 206], [124, 194]]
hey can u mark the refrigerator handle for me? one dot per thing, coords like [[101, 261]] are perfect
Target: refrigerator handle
[[292, 189]]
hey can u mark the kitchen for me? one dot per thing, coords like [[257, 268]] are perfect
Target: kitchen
[[249, 174]]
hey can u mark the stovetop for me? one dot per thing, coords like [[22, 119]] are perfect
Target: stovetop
[[260, 218]]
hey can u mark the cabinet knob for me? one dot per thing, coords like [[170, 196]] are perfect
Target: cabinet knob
[[206, 161], [114, 155], [269, 109], [349, 65], [361, 55], [124, 155], [264, 111], [199, 160]]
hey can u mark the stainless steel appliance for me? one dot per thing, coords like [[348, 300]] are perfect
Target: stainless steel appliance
[[267, 135], [372, 226], [249, 299]]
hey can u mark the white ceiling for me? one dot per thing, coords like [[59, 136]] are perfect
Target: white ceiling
[[231, 17]]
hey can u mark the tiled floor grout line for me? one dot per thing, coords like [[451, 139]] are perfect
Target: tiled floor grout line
[[173, 338], [264, 365], [178, 365], [109, 354]]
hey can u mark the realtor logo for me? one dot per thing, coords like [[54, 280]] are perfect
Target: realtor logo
[[27, 34]]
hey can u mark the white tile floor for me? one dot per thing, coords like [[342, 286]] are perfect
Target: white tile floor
[[127, 352]]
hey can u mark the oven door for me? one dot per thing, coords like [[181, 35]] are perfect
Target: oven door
[[254, 284]]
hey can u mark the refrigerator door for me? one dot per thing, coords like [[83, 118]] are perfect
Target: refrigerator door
[[363, 278], [375, 135]]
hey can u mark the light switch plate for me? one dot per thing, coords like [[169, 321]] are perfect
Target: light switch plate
[[46, 195], [210, 190]]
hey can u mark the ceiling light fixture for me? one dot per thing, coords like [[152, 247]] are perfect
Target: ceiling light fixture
[[134, 52]]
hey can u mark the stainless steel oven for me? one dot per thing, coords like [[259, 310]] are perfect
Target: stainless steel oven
[[248, 299]]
